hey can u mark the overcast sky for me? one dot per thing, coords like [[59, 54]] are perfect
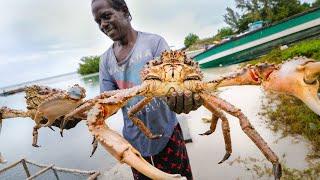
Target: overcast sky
[[41, 38]]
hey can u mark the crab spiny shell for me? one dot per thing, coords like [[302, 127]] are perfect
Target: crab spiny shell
[[170, 57]]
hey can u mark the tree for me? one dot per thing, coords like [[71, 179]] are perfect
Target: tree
[[286, 8], [265, 10], [90, 64], [190, 39], [316, 3], [232, 18]]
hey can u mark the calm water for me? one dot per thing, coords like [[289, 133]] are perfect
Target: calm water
[[71, 151]]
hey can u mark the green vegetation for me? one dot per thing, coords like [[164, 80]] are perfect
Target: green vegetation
[[190, 39], [200, 43], [308, 48], [90, 64], [292, 116], [222, 33], [262, 169], [269, 11]]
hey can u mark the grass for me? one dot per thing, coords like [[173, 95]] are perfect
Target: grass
[[308, 48], [261, 169], [292, 116]]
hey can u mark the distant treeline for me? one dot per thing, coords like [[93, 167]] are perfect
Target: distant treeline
[[249, 11]]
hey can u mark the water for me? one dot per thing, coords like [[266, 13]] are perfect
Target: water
[[71, 151]]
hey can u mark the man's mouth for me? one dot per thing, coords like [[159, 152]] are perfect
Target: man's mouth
[[109, 30]]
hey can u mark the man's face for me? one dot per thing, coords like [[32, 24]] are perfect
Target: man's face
[[111, 22]]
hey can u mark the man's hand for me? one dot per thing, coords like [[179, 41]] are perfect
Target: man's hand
[[184, 102]]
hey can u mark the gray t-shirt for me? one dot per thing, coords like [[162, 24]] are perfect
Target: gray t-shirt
[[156, 115]]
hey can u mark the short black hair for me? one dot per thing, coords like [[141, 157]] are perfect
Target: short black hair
[[119, 5]]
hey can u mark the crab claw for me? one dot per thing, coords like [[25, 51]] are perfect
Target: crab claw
[[120, 148], [51, 128], [94, 146], [298, 77], [62, 126], [226, 156], [277, 171]]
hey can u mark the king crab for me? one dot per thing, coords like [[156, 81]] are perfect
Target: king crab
[[173, 71]]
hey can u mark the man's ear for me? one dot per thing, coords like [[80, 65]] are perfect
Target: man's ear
[[126, 13]]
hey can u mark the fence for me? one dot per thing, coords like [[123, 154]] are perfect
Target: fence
[[25, 169]]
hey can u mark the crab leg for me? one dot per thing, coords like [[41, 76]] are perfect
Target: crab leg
[[245, 76], [6, 113], [136, 121], [2, 160], [85, 106], [225, 128], [115, 144], [248, 129], [35, 135]]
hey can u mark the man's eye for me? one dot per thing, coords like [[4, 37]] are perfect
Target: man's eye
[[105, 17]]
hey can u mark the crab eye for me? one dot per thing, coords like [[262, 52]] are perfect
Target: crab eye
[[151, 77], [192, 78], [75, 93]]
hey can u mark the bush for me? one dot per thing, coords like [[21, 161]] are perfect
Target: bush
[[90, 64], [190, 39], [223, 32]]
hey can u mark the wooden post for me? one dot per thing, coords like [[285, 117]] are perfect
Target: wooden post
[[25, 167], [94, 176], [41, 172]]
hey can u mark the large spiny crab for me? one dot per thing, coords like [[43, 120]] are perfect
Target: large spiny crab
[[173, 71]]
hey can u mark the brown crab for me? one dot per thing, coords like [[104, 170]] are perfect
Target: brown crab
[[173, 71], [47, 107]]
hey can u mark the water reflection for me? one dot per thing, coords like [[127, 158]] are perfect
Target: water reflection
[[71, 151]]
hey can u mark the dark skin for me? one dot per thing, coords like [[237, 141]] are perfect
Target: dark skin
[[116, 25]]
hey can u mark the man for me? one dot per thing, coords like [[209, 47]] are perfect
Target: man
[[119, 68]]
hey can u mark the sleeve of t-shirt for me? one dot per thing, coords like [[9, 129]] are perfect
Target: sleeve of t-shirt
[[105, 80], [162, 45]]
